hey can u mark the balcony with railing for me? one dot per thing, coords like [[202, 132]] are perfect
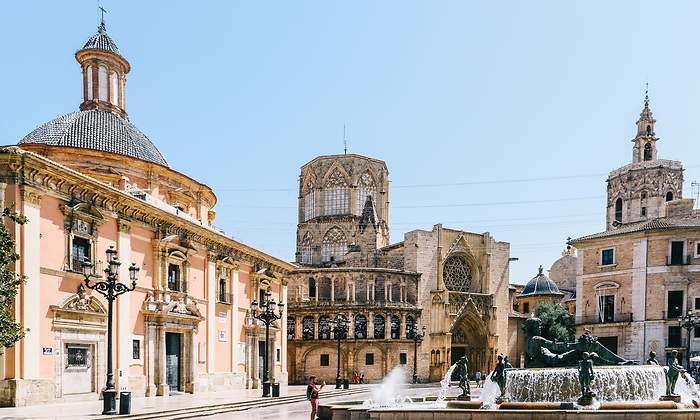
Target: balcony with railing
[[672, 315], [607, 319], [678, 259]]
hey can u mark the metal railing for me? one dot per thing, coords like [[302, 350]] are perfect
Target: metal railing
[[672, 315], [677, 343], [681, 260], [596, 319]]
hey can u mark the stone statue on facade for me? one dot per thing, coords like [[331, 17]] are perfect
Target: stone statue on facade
[[499, 376], [585, 377], [541, 352], [673, 370], [463, 372], [82, 301], [652, 359]]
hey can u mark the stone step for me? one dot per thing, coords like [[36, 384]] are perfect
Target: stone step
[[191, 412]]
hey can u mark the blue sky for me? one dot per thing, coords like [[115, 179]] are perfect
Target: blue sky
[[492, 116]]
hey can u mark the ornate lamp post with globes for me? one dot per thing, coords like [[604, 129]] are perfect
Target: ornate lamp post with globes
[[110, 289], [417, 338], [267, 316], [688, 322], [340, 331]]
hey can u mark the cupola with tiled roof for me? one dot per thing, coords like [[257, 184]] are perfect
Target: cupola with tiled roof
[[102, 122], [540, 285]]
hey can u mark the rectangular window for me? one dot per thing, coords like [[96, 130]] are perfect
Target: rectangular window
[[696, 334], [644, 211], [674, 337], [81, 252], [677, 257], [674, 304], [278, 355], [697, 249], [325, 360], [402, 358], [223, 291], [174, 277], [607, 308], [369, 359], [526, 307], [697, 304], [136, 349], [77, 356], [607, 256]]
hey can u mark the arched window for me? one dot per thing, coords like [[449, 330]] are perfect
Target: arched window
[[102, 83], [309, 200], [457, 274], [334, 245], [306, 250], [340, 319], [324, 289], [324, 328], [307, 328], [647, 150], [648, 130], [395, 327], [669, 196], [618, 210], [114, 90], [337, 197], [360, 326], [365, 188], [410, 327], [379, 328], [89, 82], [291, 328], [396, 292], [644, 195], [312, 288]]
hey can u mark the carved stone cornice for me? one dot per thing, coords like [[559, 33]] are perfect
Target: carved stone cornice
[[31, 196], [124, 225], [33, 171]]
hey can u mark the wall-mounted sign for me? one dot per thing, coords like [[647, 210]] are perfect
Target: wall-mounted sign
[[47, 351], [222, 335]]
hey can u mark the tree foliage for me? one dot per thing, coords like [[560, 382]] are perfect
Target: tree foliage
[[10, 330], [557, 323]]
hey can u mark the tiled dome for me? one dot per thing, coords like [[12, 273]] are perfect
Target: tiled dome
[[101, 41], [96, 129], [540, 285]]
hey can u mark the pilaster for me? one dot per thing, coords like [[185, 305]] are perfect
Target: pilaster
[[211, 313], [124, 307], [30, 291]]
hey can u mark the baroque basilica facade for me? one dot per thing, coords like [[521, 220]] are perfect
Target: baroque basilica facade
[[450, 282]]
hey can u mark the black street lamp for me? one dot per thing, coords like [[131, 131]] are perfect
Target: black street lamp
[[417, 338], [110, 289], [688, 322], [267, 316], [340, 331]]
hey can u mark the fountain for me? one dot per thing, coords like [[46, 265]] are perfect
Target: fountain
[[550, 388]]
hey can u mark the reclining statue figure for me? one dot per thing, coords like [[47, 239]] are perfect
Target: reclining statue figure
[[541, 352]]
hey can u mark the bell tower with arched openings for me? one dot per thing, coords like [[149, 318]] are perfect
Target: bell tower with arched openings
[[638, 191], [343, 210]]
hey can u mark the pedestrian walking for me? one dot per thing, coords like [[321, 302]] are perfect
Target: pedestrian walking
[[312, 391], [477, 378]]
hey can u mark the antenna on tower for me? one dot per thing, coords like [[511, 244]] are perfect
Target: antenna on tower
[[345, 139]]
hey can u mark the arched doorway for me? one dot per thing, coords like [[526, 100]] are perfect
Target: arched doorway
[[470, 338]]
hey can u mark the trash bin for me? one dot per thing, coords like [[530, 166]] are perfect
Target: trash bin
[[346, 384], [276, 390], [338, 383], [125, 402], [266, 389]]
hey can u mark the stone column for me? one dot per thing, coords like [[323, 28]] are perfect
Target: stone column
[[211, 313], [151, 344], [235, 334], [284, 374], [124, 338], [30, 291], [332, 279], [162, 387], [370, 325]]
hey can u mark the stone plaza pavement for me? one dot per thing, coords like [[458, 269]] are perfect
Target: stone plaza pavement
[[180, 404]]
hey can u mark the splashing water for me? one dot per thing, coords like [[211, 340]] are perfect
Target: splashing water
[[628, 383], [445, 383], [391, 392]]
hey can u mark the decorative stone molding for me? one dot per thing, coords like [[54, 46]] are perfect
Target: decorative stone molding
[[31, 196]]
